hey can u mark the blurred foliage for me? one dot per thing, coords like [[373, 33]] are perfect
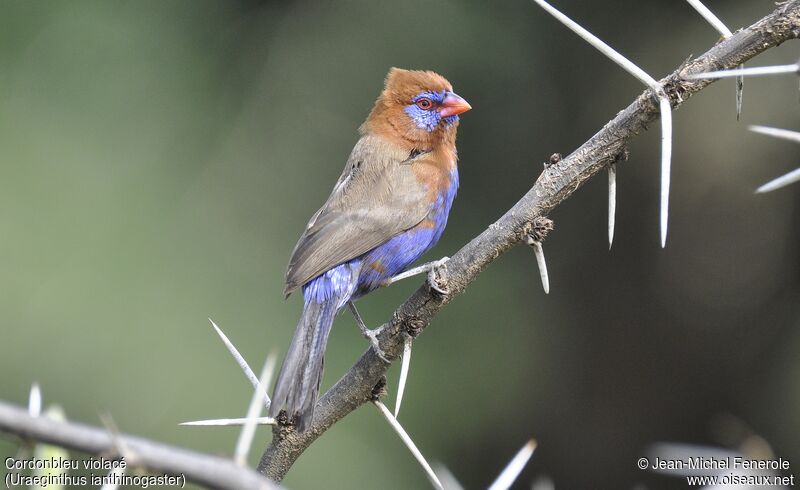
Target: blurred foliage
[[158, 161]]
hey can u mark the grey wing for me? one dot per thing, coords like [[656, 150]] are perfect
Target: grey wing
[[377, 197]]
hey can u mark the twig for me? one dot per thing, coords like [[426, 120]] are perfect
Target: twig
[[554, 185], [409, 443], [203, 469]]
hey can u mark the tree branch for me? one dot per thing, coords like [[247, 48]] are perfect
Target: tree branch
[[203, 469], [553, 186]]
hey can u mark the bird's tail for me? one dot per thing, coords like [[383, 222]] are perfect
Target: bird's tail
[[298, 382]]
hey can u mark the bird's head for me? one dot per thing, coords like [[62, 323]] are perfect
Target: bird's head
[[416, 107]]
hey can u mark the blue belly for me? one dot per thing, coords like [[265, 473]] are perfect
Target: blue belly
[[394, 256], [370, 271]]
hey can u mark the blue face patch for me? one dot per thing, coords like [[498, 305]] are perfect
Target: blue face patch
[[429, 119]]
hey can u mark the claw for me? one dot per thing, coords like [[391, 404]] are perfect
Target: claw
[[372, 336], [437, 276]]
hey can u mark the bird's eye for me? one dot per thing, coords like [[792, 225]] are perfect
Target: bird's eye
[[424, 103]]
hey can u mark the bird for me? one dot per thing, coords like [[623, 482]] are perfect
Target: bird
[[389, 206]]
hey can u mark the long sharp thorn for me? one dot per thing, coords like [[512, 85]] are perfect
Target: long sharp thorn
[[752, 71], [409, 444], [401, 387], [228, 422], [35, 401], [720, 26], [538, 251], [245, 440], [604, 48], [449, 481], [251, 376], [776, 133], [782, 181], [710, 18], [612, 202], [655, 86], [739, 94], [786, 179], [514, 468], [666, 157]]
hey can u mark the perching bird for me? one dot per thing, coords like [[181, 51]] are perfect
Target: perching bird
[[389, 207]]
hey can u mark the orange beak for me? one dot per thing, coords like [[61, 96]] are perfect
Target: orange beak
[[453, 105]]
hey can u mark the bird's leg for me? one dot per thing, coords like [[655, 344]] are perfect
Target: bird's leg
[[438, 284], [371, 335]]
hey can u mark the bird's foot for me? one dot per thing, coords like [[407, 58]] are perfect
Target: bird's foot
[[372, 336], [437, 276]]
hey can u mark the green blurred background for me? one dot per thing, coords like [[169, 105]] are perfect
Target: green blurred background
[[158, 160]]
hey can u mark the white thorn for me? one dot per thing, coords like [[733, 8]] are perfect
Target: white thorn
[[739, 94], [752, 71], [401, 386], [538, 251], [514, 468], [782, 181], [710, 18], [35, 401], [449, 481], [114, 478], [776, 133], [630, 67], [229, 422], [604, 48], [409, 444], [245, 440], [666, 157], [251, 376], [612, 202]]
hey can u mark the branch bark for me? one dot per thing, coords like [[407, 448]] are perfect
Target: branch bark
[[203, 469], [553, 186]]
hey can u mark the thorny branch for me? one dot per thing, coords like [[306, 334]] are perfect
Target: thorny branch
[[554, 185], [209, 471], [361, 383]]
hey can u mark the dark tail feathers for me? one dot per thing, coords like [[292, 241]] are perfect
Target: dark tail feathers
[[297, 387]]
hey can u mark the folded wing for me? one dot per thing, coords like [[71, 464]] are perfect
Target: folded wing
[[377, 196]]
